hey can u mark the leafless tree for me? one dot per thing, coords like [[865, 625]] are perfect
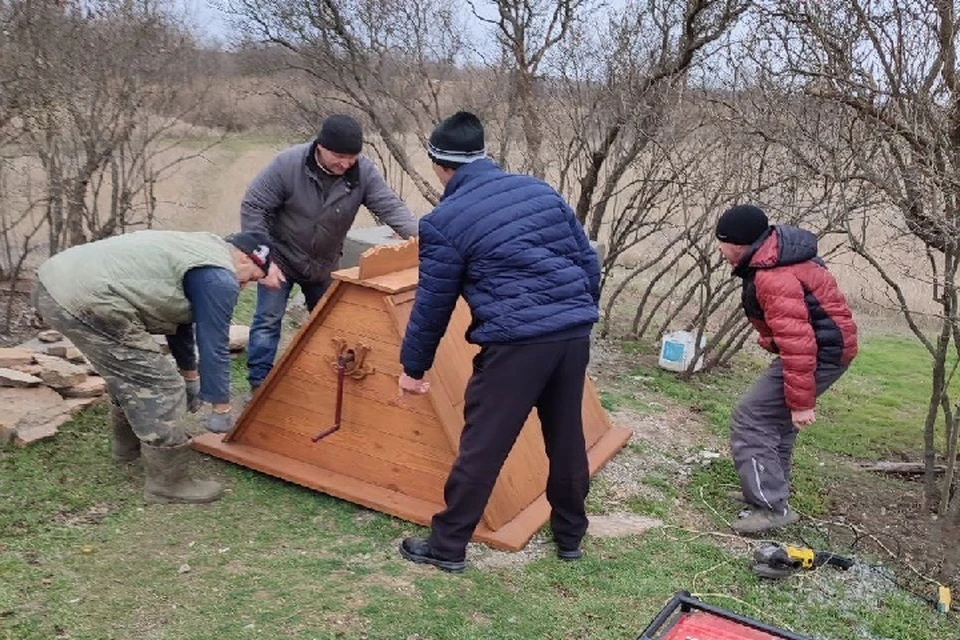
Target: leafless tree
[[393, 61], [88, 93], [21, 217], [646, 53], [526, 32], [104, 82], [883, 77]]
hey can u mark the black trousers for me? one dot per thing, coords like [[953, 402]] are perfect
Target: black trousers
[[507, 382]]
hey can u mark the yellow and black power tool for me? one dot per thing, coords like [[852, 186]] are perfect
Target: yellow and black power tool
[[776, 561]]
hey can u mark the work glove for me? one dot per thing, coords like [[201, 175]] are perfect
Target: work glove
[[220, 422], [193, 395]]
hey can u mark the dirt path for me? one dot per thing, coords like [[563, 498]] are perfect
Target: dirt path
[[205, 192]]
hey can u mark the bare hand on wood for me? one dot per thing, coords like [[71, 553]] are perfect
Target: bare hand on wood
[[412, 385]]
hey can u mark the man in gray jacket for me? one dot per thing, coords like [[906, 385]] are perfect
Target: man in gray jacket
[[306, 200]]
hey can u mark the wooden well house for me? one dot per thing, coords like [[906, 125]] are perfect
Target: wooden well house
[[329, 416]]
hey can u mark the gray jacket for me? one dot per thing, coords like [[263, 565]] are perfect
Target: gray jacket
[[307, 225]]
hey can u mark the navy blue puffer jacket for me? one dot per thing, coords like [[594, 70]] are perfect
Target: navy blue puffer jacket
[[512, 247]]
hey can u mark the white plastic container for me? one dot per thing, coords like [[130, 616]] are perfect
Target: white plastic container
[[677, 351]]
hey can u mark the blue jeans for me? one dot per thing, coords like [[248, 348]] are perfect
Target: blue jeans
[[268, 322]]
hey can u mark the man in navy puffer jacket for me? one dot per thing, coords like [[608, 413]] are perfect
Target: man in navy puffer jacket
[[513, 248]]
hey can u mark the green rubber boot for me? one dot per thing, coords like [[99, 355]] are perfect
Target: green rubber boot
[[168, 477], [126, 444]]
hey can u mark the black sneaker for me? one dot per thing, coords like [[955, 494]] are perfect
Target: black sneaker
[[569, 554], [418, 550]]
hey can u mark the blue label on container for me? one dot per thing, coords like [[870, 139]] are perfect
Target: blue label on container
[[673, 351]]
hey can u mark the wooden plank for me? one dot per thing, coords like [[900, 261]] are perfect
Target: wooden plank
[[596, 423], [906, 468], [403, 297], [302, 425], [522, 478], [358, 320], [516, 533], [326, 481], [447, 402], [382, 355], [313, 382], [386, 259], [607, 447], [372, 401], [317, 356], [454, 361], [418, 476], [382, 421], [370, 298], [391, 283], [513, 536], [350, 274], [286, 359]]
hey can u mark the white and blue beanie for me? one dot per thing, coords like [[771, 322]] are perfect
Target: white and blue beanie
[[456, 141]]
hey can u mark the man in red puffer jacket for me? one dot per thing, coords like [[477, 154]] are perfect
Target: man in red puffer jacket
[[795, 305]]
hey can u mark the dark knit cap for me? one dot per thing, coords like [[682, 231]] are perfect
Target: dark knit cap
[[742, 224], [254, 244], [457, 140], [341, 134]]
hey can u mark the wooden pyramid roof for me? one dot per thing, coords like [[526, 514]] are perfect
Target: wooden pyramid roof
[[389, 454]]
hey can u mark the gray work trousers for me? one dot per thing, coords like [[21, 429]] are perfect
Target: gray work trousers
[[762, 436], [144, 383]]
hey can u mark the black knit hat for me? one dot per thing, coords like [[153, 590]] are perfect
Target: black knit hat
[[341, 134], [742, 224], [256, 245], [456, 141]]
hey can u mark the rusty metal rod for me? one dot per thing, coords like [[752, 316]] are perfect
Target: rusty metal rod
[[342, 361]]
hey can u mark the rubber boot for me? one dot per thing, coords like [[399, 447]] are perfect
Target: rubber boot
[[126, 444], [168, 478]]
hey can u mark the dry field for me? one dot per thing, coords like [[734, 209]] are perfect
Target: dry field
[[204, 192]]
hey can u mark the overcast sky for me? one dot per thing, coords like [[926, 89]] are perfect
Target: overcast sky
[[210, 21], [205, 17]]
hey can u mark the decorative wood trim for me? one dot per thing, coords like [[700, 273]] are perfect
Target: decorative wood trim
[[389, 258]]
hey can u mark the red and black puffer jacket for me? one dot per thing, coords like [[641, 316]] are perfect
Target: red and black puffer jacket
[[795, 304]]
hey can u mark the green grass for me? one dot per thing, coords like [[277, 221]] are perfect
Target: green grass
[[876, 409], [711, 481], [81, 556], [234, 142], [246, 304]]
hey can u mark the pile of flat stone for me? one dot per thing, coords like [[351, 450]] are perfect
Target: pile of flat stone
[[43, 383], [239, 338], [46, 381]]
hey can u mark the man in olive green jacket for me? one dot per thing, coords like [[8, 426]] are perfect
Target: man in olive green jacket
[[109, 297]]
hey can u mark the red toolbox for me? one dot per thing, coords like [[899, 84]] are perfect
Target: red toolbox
[[687, 618]]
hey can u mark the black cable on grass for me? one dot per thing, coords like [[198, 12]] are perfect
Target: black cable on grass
[[861, 535]]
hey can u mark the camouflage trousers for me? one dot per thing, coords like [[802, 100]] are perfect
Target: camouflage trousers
[[144, 383]]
